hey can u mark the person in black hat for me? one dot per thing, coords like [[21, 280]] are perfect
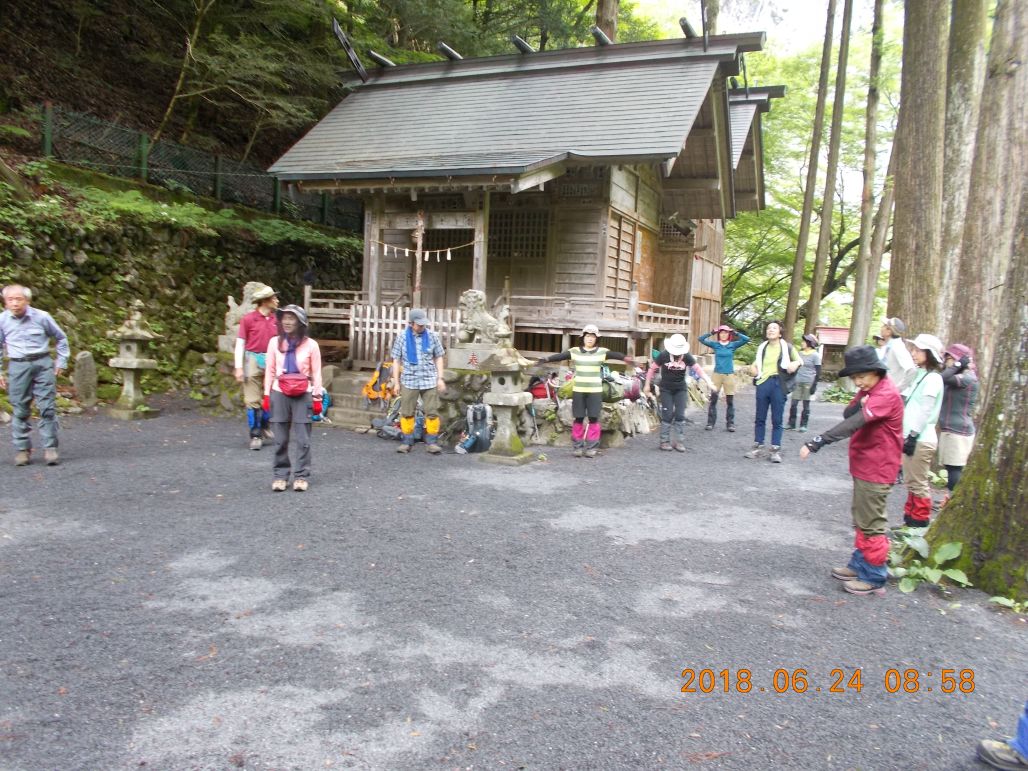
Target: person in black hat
[[874, 422]]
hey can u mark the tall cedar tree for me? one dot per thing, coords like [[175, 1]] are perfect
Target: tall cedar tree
[[989, 508]]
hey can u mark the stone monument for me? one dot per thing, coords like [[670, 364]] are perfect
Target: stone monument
[[236, 311], [84, 378], [133, 337], [485, 344]]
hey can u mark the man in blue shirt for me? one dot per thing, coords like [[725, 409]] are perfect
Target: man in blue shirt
[[25, 334], [418, 354]]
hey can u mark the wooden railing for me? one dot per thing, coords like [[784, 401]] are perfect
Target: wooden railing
[[627, 312], [373, 328], [330, 306]]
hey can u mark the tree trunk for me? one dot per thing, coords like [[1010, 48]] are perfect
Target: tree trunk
[[880, 235], [992, 209], [793, 301], [824, 238], [607, 17], [866, 282], [713, 11], [965, 74], [917, 231], [989, 509], [202, 7]]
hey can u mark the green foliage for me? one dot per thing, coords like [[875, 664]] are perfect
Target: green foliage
[[7, 132], [930, 568], [835, 394]]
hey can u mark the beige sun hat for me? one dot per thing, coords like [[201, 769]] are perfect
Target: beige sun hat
[[263, 292], [931, 344]]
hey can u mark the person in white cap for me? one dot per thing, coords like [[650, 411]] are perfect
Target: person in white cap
[[674, 362], [923, 401], [256, 329], [587, 391], [893, 351]]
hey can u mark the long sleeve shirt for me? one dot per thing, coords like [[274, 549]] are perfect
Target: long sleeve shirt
[[923, 399], [30, 333], [308, 360], [587, 363], [958, 399], [724, 353]]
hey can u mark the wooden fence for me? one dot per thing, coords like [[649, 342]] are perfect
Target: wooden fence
[[373, 328]]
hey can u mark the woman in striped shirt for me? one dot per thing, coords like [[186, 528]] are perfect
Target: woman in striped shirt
[[587, 391]]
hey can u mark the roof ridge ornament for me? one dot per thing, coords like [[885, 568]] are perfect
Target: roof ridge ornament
[[601, 36], [344, 41], [521, 44], [448, 52]]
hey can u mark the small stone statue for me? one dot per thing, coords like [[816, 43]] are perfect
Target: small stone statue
[[477, 325], [236, 311]]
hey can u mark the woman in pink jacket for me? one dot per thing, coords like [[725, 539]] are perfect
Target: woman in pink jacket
[[291, 379]]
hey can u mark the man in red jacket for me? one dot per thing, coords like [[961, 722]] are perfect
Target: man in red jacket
[[874, 420]]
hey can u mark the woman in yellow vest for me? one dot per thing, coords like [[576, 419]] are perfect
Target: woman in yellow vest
[[587, 391]]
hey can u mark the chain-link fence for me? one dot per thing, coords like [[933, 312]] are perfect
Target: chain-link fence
[[82, 140]]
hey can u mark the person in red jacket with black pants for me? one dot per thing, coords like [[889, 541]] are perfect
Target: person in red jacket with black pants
[[874, 421]]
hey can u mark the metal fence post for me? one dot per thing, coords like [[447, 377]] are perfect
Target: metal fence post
[[217, 177], [48, 130], [144, 156], [276, 196]]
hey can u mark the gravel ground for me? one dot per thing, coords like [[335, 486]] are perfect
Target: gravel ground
[[161, 608]]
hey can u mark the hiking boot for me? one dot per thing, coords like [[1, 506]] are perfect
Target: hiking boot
[[710, 427], [791, 427], [844, 574], [256, 443], [863, 587], [433, 449], [267, 436], [22, 457], [404, 448], [300, 485], [578, 452], [756, 452], [730, 428], [50, 456], [590, 453], [1001, 755], [279, 485], [776, 454], [802, 429], [678, 447], [665, 446]]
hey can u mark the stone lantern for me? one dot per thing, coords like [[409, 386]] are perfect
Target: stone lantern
[[133, 337]]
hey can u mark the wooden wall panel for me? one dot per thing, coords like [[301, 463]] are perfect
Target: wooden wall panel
[[576, 251]]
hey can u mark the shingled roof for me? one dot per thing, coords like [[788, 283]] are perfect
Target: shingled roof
[[515, 115]]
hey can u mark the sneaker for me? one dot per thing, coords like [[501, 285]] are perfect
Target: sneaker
[[50, 456], [862, 587], [791, 427], [678, 447], [590, 453], [256, 443], [404, 448], [666, 446], [802, 429], [710, 427], [279, 485], [756, 452], [578, 452], [267, 435], [433, 449], [730, 428], [844, 574], [1001, 755], [776, 455], [22, 457], [300, 485]]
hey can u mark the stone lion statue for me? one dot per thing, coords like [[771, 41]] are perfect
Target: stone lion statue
[[477, 325], [236, 311]]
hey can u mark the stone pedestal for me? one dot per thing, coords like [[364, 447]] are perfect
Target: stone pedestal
[[507, 448]]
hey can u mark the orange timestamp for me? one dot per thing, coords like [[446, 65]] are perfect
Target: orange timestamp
[[799, 680]]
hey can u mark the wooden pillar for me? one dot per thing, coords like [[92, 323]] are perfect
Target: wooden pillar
[[419, 241], [373, 250], [481, 257]]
